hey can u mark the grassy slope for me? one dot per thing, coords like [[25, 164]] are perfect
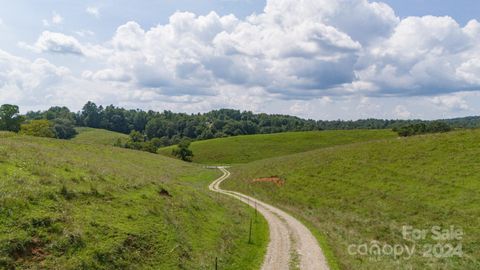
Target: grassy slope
[[357, 193], [77, 206], [242, 149], [98, 136]]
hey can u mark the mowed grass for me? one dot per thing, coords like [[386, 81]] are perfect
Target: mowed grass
[[243, 149], [65, 205], [98, 136], [364, 192]]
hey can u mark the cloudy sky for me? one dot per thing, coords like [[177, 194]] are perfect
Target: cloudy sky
[[321, 59]]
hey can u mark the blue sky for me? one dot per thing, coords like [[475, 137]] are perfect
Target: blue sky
[[322, 59], [462, 10]]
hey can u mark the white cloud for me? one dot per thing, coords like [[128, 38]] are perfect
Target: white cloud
[[301, 50], [28, 82], [452, 102], [424, 56], [295, 58], [94, 11], [303, 54], [58, 43], [107, 75]]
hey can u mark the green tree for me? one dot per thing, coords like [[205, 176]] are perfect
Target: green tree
[[155, 128], [91, 115], [160, 142], [182, 151], [10, 119], [438, 126], [136, 136], [59, 112], [422, 128], [149, 147], [64, 128], [38, 128]]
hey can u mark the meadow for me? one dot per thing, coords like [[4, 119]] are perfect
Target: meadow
[[368, 191], [243, 149], [71, 205], [98, 136]]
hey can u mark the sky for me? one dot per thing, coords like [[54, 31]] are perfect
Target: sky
[[320, 59]]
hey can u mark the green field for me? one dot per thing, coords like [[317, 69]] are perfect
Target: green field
[[98, 136], [70, 205], [243, 149], [364, 192]]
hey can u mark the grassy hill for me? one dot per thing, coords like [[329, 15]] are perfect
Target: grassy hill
[[364, 192], [68, 205], [98, 136], [243, 149]]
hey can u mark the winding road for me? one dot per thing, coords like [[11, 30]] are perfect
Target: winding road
[[291, 245]]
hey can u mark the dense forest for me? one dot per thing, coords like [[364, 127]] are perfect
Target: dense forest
[[170, 128]]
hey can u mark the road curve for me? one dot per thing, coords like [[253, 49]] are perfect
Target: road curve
[[291, 243]]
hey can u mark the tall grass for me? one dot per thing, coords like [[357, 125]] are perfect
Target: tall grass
[[68, 205], [363, 192], [243, 149]]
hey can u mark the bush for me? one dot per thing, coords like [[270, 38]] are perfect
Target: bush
[[182, 151], [149, 147], [137, 141], [38, 128], [59, 128], [64, 129], [136, 136], [423, 128]]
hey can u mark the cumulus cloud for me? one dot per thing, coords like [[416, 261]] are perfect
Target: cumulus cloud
[[58, 43], [424, 56], [300, 50], [295, 51], [273, 50], [27, 82]]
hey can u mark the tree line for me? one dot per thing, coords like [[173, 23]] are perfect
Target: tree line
[[168, 128]]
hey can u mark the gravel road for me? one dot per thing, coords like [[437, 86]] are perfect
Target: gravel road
[[292, 245]]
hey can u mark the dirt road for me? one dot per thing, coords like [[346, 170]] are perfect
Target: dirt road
[[291, 245]]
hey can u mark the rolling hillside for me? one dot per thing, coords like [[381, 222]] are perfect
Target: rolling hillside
[[359, 193], [242, 149], [98, 136], [68, 205]]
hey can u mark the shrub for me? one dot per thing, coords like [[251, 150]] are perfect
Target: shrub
[[136, 136], [137, 141], [423, 128], [149, 147], [38, 128], [64, 129], [182, 151]]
